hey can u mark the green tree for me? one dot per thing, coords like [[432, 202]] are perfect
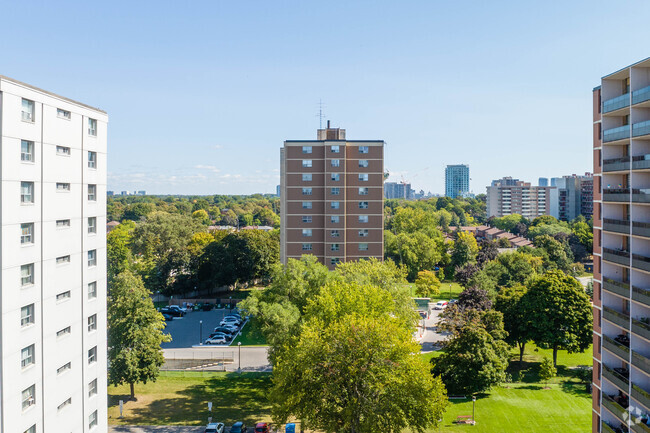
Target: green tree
[[135, 332], [547, 370], [508, 222], [201, 216], [427, 284], [557, 253], [515, 321], [465, 249], [559, 312], [417, 251], [118, 251]]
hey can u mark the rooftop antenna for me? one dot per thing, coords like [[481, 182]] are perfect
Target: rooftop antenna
[[320, 114]]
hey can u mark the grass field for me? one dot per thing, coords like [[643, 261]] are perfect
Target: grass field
[[444, 294], [250, 335]]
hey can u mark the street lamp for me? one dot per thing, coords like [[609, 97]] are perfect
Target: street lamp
[[473, 410], [201, 332], [239, 345], [230, 302], [450, 292]]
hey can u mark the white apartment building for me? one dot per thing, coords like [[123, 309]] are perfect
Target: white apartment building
[[53, 261]]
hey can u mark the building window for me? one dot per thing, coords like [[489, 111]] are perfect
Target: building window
[[336, 177], [335, 149], [306, 232], [306, 177], [336, 191], [92, 323], [92, 225], [27, 356], [306, 247], [63, 259], [27, 274], [92, 127], [306, 191], [63, 114], [62, 186], [27, 192], [92, 192], [335, 247], [336, 163], [63, 296], [334, 219], [307, 163], [32, 429], [26, 151], [363, 149], [92, 290], [62, 150], [363, 218], [28, 110], [363, 177], [64, 404], [306, 149], [363, 205], [63, 332], [62, 223], [363, 233], [92, 355], [28, 396], [306, 218], [335, 261], [92, 420], [334, 204], [363, 191], [363, 247], [306, 205], [27, 233], [92, 159], [334, 233], [92, 258], [363, 163], [92, 388], [65, 367], [27, 315]]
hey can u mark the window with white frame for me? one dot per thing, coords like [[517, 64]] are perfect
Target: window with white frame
[[65, 367], [92, 355], [336, 191], [363, 205], [363, 233], [26, 151], [92, 224], [62, 260], [29, 397], [63, 296], [307, 163], [92, 258], [92, 388], [28, 110], [27, 192], [335, 162], [335, 247], [63, 332], [306, 191], [363, 247], [92, 420], [306, 205], [363, 149], [335, 234], [306, 218], [336, 177], [27, 233], [62, 223], [92, 159], [63, 114], [335, 204], [64, 404], [363, 163], [27, 274], [27, 356], [27, 315], [92, 323], [363, 177], [306, 149], [306, 177], [306, 233], [335, 219], [335, 149], [62, 187], [92, 290], [306, 247], [363, 218], [92, 127], [92, 192], [335, 261], [363, 191], [63, 150]]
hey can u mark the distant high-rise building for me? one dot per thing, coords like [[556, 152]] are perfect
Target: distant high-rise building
[[401, 190], [141, 192], [332, 198], [511, 196], [457, 180], [277, 191], [543, 181], [110, 193], [567, 201]]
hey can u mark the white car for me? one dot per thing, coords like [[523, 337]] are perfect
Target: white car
[[441, 305], [217, 339], [178, 307], [230, 321]]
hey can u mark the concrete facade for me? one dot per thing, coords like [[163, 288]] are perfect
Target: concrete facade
[[53, 258], [511, 196]]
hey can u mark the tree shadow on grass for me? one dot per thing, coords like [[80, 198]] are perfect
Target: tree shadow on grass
[[575, 388]]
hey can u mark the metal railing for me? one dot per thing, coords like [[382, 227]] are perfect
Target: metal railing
[[621, 319], [641, 128], [641, 295], [614, 134], [641, 95], [616, 378], [616, 348], [617, 287], [616, 103]]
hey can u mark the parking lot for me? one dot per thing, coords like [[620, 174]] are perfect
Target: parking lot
[[187, 331]]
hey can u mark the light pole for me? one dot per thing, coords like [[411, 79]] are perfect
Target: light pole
[[200, 332], [473, 410], [230, 302], [239, 357]]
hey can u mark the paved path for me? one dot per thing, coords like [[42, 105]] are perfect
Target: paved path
[[252, 358], [154, 429], [430, 337]]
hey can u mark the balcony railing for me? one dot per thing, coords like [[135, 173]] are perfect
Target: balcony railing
[[614, 225], [614, 134], [615, 408], [616, 164], [621, 319], [622, 382], [640, 361], [617, 256], [640, 229], [606, 428], [641, 128], [617, 287], [639, 427], [616, 194], [617, 348], [641, 262], [641, 295], [640, 395], [641, 95], [640, 162], [616, 103], [641, 328]]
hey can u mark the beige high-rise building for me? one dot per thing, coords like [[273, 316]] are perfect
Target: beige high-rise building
[[332, 198], [511, 196]]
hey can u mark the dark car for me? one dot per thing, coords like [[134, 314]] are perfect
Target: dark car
[[225, 329], [238, 427], [168, 317], [262, 427], [174, 312]]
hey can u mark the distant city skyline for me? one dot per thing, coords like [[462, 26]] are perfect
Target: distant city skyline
[[203, 104]]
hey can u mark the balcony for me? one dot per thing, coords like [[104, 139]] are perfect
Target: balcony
[[607, 428], [621, 319], [640, 395], [617, 287], [641, 327], [621, 257], [617, 405], [641, 295], [617, 348], [616, 164], [641, 95], [618, 226], [641, 262], [641, 195], [641, 229], [616, 194], [616, 103], [640, 162], [615, 134], [641, 128], [638, 426], [618, 378], [641, 362]]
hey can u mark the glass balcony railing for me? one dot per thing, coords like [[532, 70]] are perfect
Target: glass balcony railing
[[641, 362], [614, 134], [641, 195], [617, 256], [641, 262], [616, 164], [641, 295], [618, 408], [607, 428], [616, 194], [641, 95], [641, 395], [639, 129], [617, 287], [621, 319], [618, 379], [639, 425], [641, 327], [617, 348], [615, 225], [616, 103]]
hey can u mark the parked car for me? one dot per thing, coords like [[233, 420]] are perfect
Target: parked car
[[225, 329], [234, 316], [232, 328], [217, 339], [178, 307], [234, 323], [174, 312], [452, 301], [168, 317], [221, 334], [441, 305], [238, 427], [262, 427], [233, 320], [214, 427]]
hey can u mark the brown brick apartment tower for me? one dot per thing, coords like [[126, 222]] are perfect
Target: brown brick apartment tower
[[332, 198], [621, 191]]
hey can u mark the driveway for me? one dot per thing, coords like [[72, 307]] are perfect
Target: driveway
[[188, 331], [252, 358], [431, 337], [154, 429]]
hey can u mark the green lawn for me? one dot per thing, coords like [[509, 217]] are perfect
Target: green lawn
[[251, 335], [444, 294]]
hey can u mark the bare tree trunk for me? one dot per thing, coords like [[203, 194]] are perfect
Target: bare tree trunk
[[555, 356], [522, 347], [132, 390]]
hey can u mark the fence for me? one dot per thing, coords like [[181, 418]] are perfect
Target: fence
[[198, 361]]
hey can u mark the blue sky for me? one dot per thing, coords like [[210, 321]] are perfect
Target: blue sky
[[202, 94]]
